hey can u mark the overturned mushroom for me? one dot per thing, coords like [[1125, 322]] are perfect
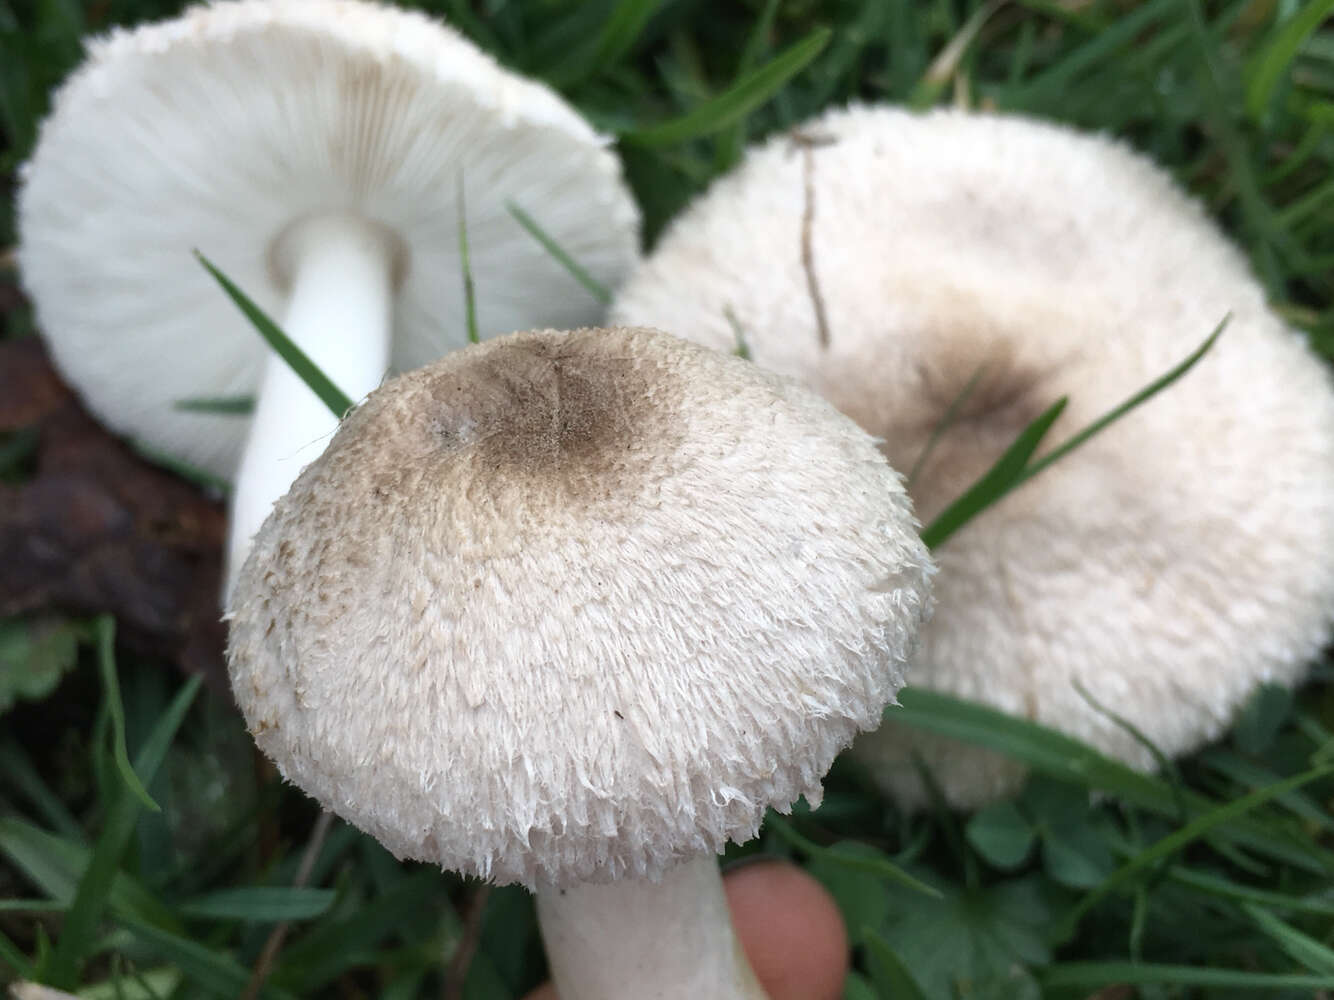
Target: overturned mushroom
[[314, 150], [974, 268], [573, 610]]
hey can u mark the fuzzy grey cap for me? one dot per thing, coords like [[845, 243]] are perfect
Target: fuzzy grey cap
[[1165, 569], [573, 606]]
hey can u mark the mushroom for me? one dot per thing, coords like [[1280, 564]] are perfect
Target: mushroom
[[314, 150], [973, 269], [595, 601]]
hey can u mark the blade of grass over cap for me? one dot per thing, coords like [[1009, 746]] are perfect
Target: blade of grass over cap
[[744, 96], [1139, 398], [465, 265], [1013, 468], [1003, 476], [945, 422], [241, 406], [319, 383], [594, 288], [191, 473]]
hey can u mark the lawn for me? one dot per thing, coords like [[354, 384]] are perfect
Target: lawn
[[147, 850]]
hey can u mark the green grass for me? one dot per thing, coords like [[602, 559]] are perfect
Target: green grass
[[1212, 880]]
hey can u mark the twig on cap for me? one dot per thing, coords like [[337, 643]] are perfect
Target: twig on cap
[[807, 144], [269, 953]]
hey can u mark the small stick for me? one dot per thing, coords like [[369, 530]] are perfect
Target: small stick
[[807, 144], [269, 953], [456, 973]]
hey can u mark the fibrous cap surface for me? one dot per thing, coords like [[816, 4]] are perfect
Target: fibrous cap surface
[[1166, 567], [576, 606], [224, 129]]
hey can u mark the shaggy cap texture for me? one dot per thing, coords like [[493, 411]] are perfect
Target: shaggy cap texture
[[224, 129], [574, 606], [1169, 566]]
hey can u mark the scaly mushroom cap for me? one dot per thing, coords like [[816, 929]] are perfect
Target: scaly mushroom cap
[[575, 606], [1167, 566], [225, 129]]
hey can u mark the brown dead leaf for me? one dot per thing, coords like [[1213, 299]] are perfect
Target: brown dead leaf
[[98, 529]]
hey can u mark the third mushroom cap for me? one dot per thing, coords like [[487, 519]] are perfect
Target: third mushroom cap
[[973, 269]]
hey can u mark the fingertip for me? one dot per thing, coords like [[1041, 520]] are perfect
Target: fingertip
[[790, 929]]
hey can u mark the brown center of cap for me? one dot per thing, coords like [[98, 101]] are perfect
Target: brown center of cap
[[567, 420]]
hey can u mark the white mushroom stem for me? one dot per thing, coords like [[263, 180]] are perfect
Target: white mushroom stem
[[668, 940], [339, 271]]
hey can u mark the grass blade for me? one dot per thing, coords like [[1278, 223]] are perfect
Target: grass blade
[[1143, 396], [105, 629], [1102, 48], [1225, 889], [54, 865], [888, 972], [153, 984], [1301, 947], [1003, 476], [744, 96], [943, 68], [1012, 468], [469, 294], [730, 145], [1049, 752], [1190, 832], [17, 768], [594, 287], [619, 33], [319, 383], [260, 904], [944, 424], [1093, 975], [330, 948], [1266, 68], [217, 973], [15, 959], [240, 406], [95, 885], [872, 866]]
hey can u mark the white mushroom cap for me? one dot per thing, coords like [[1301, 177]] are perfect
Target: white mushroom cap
[[224, 129], [572, 607], [1167, 566]]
